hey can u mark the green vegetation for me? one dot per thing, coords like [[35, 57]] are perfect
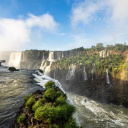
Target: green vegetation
[[37, 104], [27, 97], [12, 69], [51, 111], [30, 102], [49, 84], [50, 94], [21, 118]]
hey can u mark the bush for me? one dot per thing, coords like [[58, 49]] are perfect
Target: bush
[[71, 123], [27, 97], [58, 94], [21, 118], [64, 112], [49, 84], [60, 101], [37, 104], [12, 69], [50, 95], [46, 113], [30, 102]]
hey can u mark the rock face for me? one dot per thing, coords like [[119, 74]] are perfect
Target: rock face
[[96, 74]]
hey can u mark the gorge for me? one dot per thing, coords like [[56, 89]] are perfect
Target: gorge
[[95, 79]]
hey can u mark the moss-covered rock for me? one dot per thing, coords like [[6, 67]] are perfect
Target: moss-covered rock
[[50, 112]]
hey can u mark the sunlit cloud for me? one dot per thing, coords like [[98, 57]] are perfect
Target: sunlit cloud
[[15, 33]]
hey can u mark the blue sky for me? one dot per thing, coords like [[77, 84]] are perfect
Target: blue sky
[[62, 24]]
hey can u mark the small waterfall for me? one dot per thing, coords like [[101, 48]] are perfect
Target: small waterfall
[[92, 71], [51, 56], [58, 55], [15, 58], [85, 74], [48, 69], [43, 65], [107, 77], [62, 54], [43, 57], [71, 72], [54, 73]]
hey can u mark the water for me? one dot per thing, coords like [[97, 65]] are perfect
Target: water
[[90, 114], [15, 59], [71, 72], [107, 77], [14, 86], [97, 115], [51, 56], [85, 74]]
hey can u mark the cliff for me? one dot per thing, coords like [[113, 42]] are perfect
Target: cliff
[[100, 73]]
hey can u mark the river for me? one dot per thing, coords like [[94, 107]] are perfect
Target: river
[[14, 86]]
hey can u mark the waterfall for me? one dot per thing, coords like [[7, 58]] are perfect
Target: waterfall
[[51, 56], [15, 58], [107, 77], [71, 72], [48, 69], [62, 54], [54, 73], [92, 71], [58, 55], [43, 57], [85, 74], [43, 65]]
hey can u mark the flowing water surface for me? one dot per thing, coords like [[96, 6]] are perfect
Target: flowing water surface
[[14, 86]]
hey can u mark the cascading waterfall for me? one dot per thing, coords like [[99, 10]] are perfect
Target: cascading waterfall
[[51, 56], [62, 54], [43, 65], [92, 71], [71, 72], [58, 55], [85, 74], [48, 69], [15, 58], [54, 73], [107, 77]]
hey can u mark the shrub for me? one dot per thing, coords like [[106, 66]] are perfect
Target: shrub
[[50, 94], [27, 97], [37, 104], [65, 111], [54, 126], [46, 113], [60, 101], [71, 123], [12, 69], [30, 102], [49, 84], [21, 118], [58, 94]]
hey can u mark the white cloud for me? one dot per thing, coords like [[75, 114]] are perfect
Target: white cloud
[[84, 12], [15, 33], [108, 17], [114, 10], [119, 10]]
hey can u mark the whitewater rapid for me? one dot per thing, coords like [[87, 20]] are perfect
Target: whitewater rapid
[[89, 113]]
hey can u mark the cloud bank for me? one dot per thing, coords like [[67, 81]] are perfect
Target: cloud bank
[[108, 17], [15, 33]]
